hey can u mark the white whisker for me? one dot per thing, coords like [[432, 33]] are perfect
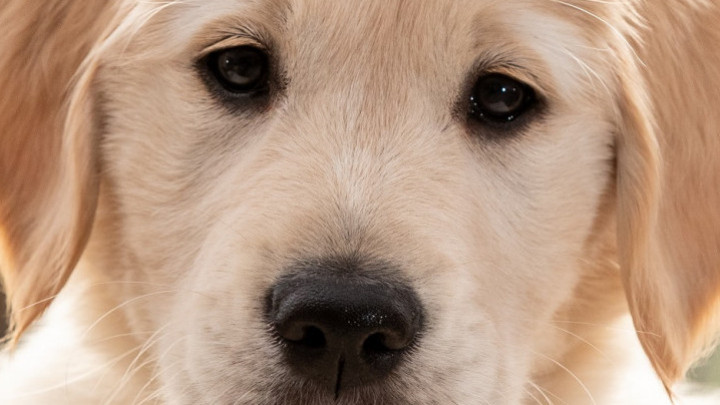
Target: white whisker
[[573, 375], [614, 29]]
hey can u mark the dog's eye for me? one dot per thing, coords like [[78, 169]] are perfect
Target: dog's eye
[[241, 70], [497, 98]]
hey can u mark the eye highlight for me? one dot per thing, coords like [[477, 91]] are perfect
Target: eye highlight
[[500, 99], [242, 70]]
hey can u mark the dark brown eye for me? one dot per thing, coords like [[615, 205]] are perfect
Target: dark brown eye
[[500, 99], [241, 70]]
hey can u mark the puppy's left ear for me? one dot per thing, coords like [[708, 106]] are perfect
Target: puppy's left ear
[[48, 172], [669, 220]]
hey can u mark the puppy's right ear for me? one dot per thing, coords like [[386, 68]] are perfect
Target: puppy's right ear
[[669, 194], [47, 158]]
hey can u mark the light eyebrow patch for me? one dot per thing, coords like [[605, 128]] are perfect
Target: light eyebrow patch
[[231, 42]]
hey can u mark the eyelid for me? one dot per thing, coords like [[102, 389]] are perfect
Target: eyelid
[[231, 42], [515, 74], [522, 67]]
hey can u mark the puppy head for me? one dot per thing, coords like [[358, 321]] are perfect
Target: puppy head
[[363, 144]]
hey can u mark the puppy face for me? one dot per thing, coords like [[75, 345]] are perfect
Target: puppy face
[[366, 139]]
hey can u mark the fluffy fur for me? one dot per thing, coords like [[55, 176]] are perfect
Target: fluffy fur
[[575, 261]]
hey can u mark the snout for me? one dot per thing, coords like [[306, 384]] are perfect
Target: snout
[[342, 327]]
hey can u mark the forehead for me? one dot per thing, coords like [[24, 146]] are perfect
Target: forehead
[[397, 30], [392, 16], [384, 46]]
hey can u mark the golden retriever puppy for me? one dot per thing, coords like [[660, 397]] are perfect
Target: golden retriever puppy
[[307, 202]]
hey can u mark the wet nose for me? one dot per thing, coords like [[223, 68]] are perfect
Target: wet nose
[[343, 331]]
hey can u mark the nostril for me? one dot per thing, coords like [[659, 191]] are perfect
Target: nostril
[[381, 343], [313, 338], [301, 334]]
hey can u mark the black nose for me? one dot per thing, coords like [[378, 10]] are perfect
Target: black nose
[[344, 330]]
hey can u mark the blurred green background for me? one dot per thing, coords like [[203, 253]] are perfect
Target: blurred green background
[[3, 324], [707, 371]]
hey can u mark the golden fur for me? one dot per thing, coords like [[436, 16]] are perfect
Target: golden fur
[[76, 77]]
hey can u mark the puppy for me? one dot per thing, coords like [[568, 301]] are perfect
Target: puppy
[[358, 202]]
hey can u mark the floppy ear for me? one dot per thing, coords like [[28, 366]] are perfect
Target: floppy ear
[[669, 217], [47, 159]]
